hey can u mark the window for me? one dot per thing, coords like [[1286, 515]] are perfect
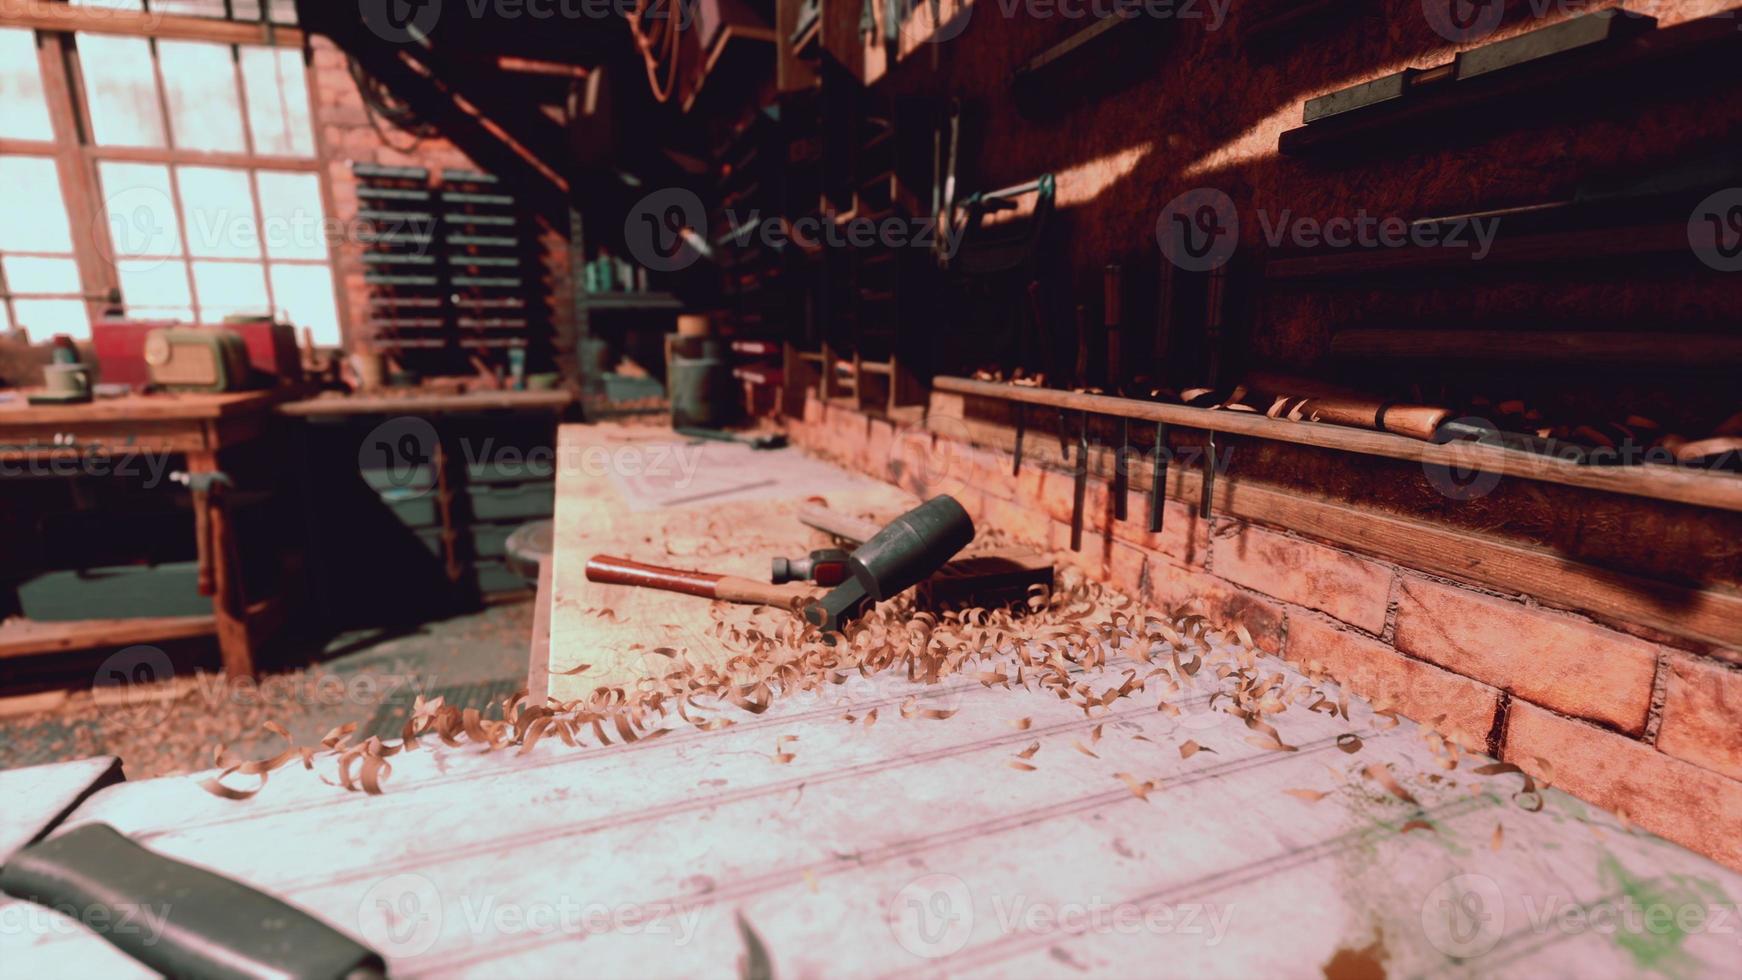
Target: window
[[203, 191], [38, 273]]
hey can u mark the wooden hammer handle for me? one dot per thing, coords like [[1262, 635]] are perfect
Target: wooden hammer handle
[[612, 570], [1417, 421]]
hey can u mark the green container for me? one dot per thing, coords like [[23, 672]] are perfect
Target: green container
[[513, 502], [513, 469], [414, 508], [494, 575], [704, 395], [116, 592]]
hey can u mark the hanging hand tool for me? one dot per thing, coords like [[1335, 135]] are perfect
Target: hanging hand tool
[[1158, 479], [1047, 347], [824, 566], [211, 926], [1112, 312], [1080, 470], [904, 553], [612, 570]]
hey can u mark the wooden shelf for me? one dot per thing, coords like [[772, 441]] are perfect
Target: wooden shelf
[[1629, 349], [1658, 482], [631, 301], [24, 638], [1578, 80]]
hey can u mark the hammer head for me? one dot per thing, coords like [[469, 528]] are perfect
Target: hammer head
[[898, 557]]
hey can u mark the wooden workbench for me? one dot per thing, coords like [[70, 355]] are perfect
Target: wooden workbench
[[199, 427], [733, 516], [914, 846]]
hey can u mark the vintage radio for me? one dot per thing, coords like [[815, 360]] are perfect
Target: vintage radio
[[197, 359]]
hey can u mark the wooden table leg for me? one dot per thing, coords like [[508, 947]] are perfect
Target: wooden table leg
[[229, 601]]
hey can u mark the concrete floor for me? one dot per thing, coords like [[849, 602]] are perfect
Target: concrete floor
[[163, 729]]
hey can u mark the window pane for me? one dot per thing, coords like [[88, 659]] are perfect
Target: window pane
[[33, 216], [155, 289], [23, 110], [204, 110], [140, 210], [290, 207], [34, 275], [305, 293], [218, 209], [121, 90], [47, 317], [277, 101], [223, 288]]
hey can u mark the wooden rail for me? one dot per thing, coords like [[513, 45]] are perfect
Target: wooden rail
[[1658, 482]]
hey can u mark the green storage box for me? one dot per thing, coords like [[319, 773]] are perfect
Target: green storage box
[[511, 470], [115, 592], [414, 508], [414, 478], [496, 576], [514, 502]]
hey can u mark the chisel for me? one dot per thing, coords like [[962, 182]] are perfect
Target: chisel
[[1158, 479], [211, 926], [1111, 318]]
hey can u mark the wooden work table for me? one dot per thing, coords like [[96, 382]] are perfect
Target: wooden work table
[[807, 841], [200, 428], [713, 527]]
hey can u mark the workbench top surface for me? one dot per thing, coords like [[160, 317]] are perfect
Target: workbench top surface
[[414, 402], [160, 406], [882, 826]]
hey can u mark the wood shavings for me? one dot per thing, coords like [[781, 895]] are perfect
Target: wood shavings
[[1309, 795], [1022, 724], [1139, 788], [1382, 775], [1189, 748], [1029, 752], [1349, 742], [1020, 766], [780, 755], [1495, 843], [1417, 824], [1084, 749]]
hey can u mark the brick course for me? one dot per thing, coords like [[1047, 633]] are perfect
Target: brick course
[[1548, 658], [1351, 589], [1694, 807], [1702, 714]]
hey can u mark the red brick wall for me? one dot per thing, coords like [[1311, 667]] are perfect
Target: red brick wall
[[1645, 728], [346, 137]]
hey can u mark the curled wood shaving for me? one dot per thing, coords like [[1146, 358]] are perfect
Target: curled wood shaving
[[1140, 788], [1382, 775], [1020, 766], [1309, 795]]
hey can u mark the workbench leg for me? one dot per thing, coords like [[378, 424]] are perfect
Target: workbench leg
[[229, 603]]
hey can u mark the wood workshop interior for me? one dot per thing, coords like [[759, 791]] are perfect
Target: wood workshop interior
[[813, 488]]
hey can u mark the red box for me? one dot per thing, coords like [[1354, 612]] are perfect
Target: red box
[[120, 349]]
